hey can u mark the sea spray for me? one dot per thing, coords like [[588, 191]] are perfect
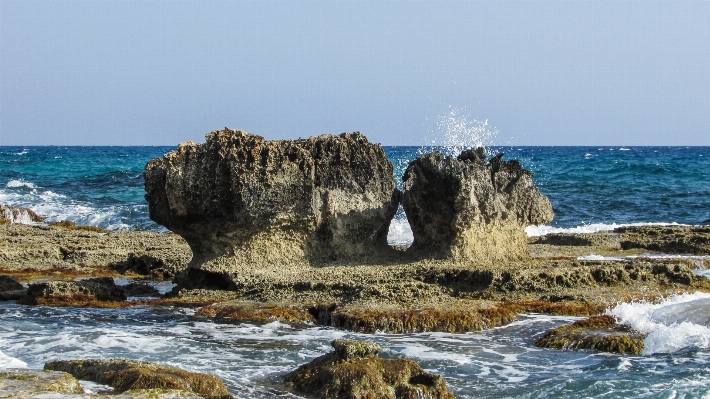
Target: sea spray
[[674, 323], [455, 131]]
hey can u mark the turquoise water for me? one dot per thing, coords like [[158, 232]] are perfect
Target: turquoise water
[[103, 186]]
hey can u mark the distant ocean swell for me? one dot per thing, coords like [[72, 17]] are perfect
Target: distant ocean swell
[[591, 188]]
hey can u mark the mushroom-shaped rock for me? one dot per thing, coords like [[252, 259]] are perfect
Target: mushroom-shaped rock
[[354, 371], [275, 202], [467, 208]]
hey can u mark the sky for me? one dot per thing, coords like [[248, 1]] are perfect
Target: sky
[[539, 72]]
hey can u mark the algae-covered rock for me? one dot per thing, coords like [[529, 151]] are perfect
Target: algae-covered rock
[[600, 333], [466, 208], [126, 375], [74, 292], [354, 371], [25, 383], [255, 201]]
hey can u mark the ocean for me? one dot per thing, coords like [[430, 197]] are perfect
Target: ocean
[[591, 189]]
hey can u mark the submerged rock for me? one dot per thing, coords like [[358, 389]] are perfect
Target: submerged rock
[[600, 333], [354, 371], [128, 375], [244, 198], [74, 292], [465, 208]]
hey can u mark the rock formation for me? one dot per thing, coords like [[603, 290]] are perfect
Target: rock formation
[[467, 209], [600, 333], [72, 292], [280, 202], [128, 375], [355, 371]]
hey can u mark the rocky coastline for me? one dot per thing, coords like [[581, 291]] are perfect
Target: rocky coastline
[[295, 231]]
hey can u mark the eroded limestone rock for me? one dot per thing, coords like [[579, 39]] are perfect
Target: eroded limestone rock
[[74, 292], [255, 201], [126, 375], [467, 208], [354, 371]]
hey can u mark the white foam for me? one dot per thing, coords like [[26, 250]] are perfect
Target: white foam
[[675, 323], [17, 216], [541, 230], [400, 233], [20, 183], [456, 132], [8, 362]]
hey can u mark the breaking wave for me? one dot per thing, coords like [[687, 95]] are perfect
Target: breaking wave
[[677, 322]]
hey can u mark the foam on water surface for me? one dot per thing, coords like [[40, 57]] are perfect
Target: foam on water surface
[[251, 359], [675, 323], [541, 230]]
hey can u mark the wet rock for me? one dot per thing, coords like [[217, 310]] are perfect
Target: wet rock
[[254, 201], [74, 292], [465, 208], [128, 375], [146, 265], [24, 383], [250, 311], [140, 289], [600, 333], [9, 283], [16, 214], [354, 371]]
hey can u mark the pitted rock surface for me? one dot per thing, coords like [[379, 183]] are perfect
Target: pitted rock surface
[[467, 208], [241, 197]]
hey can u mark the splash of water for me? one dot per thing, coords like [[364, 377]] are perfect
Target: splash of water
[[455, 131]]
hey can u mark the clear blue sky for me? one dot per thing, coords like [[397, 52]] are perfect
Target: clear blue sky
[[542, 73]]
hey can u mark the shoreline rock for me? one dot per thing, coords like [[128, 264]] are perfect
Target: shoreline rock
[[470, 210], [239, 198], [601, 333], [353, 370], [126, 375]]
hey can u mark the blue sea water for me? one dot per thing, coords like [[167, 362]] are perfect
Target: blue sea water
[[590, 188], [103, 186]]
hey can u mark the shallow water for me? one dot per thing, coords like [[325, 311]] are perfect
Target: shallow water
[[251, 359]]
